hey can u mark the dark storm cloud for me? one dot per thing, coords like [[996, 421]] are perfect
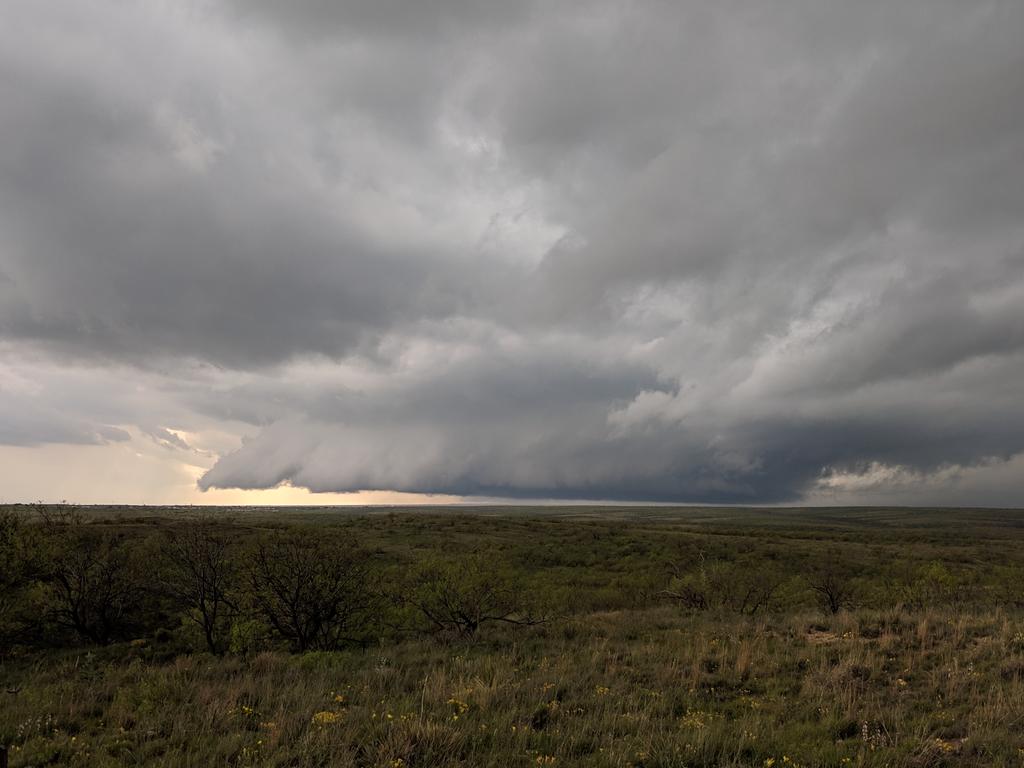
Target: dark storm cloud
[[33, 426], [417, 23], [670, 251], [121, 239]]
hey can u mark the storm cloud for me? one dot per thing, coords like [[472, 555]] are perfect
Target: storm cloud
[[745, 252]]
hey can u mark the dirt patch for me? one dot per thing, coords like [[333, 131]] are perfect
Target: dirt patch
[[820, 637]]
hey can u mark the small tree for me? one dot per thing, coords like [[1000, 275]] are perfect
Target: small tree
[[743, 587], [314, 593], [200, 578], [688, 589], [833, 590], [460, 597], [20, 566], [94, 586], [12, 553]]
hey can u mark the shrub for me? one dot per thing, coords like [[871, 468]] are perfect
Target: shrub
[[460, 597], [201, 578], [94, 585], [314, 593]]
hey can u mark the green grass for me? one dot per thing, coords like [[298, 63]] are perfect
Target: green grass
[[617, 678]]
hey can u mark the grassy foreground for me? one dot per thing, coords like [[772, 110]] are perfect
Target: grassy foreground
[[925, 668]]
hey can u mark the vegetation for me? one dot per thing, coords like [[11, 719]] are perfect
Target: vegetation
[[564, 636]]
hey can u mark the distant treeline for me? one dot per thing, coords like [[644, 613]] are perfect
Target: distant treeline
[[70, 581], [199, 584]]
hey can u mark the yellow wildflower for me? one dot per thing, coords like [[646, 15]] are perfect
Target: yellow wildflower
[[326, 717]]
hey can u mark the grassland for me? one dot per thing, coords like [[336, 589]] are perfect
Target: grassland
[[922, 665]]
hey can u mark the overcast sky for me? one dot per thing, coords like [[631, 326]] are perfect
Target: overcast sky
[[734, 252]]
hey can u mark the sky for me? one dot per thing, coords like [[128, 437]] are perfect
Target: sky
[[373, 251]]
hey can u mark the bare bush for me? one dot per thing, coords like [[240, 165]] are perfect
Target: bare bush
[[459, 597], [739, 587], [94, 585], [833, 590], [200, 577], [20, 558], [314, 593]]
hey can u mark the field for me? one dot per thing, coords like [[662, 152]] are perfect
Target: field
[[555, 636]]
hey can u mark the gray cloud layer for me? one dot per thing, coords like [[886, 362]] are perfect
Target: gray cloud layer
[[672, 251]]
